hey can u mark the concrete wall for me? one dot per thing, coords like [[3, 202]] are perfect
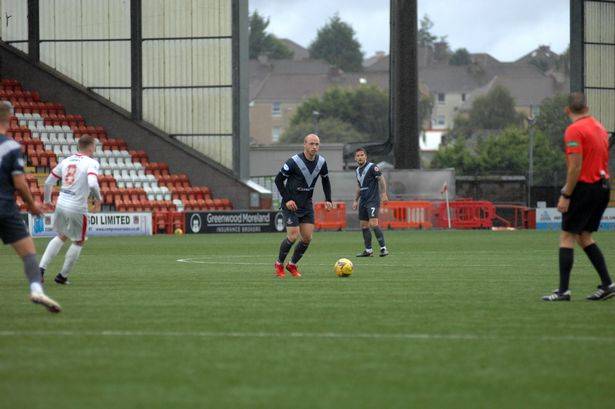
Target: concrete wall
[[402, 184], [160, 147], [267, 160]]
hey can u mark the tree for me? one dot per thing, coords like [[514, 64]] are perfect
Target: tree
[[336, 44], [508, 153], [494, 111], [330, 130], [549, 162], [263, 43], [456, 156], [426, 103], [425, 37], [505, 153], [505, 150], [461, 56], [552, 121], [563, 62], [366, 108]]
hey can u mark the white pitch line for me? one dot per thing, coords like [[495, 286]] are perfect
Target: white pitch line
[[322, 335], [245, 263]]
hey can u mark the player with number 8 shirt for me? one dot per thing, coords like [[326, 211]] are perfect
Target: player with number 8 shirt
[[79, 179]]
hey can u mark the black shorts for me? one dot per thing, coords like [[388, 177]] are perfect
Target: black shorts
[[301, 216], [369, 211], [587, 205], [12, 228]]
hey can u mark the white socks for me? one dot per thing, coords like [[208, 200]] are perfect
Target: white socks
[[72, 254], [36, 288], [52, 250]]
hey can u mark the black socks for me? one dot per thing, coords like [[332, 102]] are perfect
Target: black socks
[[299, 251], [284, 249], [566, 260], [367, 238], [379, 236], [597, 259]]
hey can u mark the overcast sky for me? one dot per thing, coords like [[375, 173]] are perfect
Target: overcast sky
[[507, 29]]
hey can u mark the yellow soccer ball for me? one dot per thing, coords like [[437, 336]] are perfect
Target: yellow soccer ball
[[179, 232], [343, 267]]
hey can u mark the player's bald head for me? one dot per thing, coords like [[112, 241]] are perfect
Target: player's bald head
[[311, 145], [311, 138]]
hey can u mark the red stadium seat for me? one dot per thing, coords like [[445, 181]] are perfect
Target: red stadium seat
[[26, 101]]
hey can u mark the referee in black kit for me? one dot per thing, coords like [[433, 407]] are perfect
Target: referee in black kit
[[584, 198]]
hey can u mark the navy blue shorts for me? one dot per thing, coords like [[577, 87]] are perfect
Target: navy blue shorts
[[369, 211], [12, 228], [301, 216]]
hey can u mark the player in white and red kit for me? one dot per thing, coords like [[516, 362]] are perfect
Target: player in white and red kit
[[79, 176]]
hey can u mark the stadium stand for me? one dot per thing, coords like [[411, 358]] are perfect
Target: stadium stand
[[128, 181]]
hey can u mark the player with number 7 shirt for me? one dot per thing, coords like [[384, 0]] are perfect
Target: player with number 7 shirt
[[79, 180], [371, 192]]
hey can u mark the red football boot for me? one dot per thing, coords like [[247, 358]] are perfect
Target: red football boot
[[279, 269], [293, 270]]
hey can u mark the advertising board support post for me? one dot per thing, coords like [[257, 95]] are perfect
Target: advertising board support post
[[448, 204], [531, 121]]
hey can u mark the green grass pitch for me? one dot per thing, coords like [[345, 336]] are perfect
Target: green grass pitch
[[449, 320]]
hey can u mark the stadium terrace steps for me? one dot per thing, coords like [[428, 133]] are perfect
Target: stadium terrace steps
[[128, 181]]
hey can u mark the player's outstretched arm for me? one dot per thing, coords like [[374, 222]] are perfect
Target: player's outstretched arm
[[19, 181]]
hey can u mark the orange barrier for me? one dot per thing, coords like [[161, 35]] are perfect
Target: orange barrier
[[518, 217], [334, 219], [531, 218], [466, 215], [406, 215]]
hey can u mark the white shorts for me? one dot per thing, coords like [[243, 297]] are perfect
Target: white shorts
[[69, 224]]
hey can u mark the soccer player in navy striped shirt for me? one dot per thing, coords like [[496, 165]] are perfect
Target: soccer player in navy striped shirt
[[295, 182], [13, 230]]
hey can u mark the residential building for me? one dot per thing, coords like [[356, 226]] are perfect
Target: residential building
[[277, 88], [299, 52]]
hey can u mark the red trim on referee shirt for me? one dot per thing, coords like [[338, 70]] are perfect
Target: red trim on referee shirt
[[55, 176], [92, 173], [84, 228]]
